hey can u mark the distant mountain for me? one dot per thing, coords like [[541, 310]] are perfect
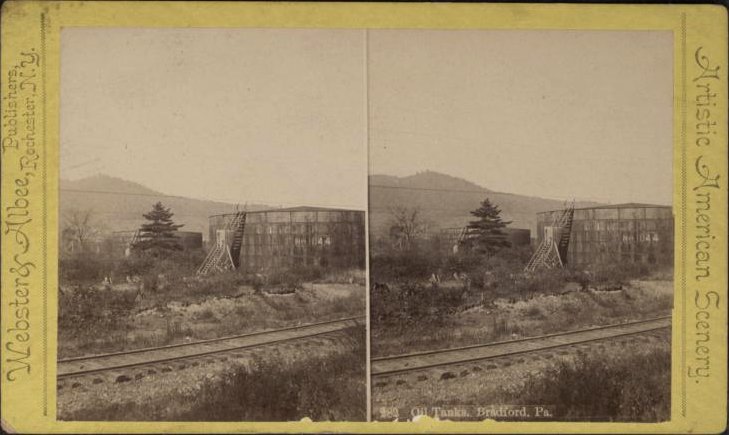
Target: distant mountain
[[447, 201], [425, 180], [107, 183], [118, 205]]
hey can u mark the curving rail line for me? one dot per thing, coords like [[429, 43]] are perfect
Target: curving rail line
[[399, 364], [80, 366]]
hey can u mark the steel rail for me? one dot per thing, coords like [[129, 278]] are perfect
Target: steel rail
[[116, 359], [383, 366], [212, 340]]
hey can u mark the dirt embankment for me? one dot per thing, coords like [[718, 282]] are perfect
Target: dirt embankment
[[543, 314], [177, 320]]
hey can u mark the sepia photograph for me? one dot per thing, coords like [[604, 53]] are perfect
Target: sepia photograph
[[212, 246], [521, 228], [307, 217]]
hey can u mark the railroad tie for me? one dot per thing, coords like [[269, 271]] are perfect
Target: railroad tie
[[165, 358]]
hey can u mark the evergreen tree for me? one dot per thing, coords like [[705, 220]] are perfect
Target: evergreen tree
[[486, 235], [158, 235]]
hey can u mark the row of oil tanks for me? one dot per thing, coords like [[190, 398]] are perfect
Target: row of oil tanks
[[280, 238], [634, 233], [305, 236], [335, 238]]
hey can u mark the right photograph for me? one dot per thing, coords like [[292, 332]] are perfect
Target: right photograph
[[521, 227]]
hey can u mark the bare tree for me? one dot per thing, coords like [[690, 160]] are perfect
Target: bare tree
[[406, 226], [79, 227]]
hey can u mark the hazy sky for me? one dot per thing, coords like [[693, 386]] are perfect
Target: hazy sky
[[279, 116], [240, 115], [584, 114]]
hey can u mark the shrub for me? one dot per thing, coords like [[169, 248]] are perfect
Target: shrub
[[87, 310], [610, 274], [632, 387], [218, 285], [205, 314], [175, 265], [544, 282], [150, 281], [411, 302], [349, 276], [134, 265], [534, 311], [321, 388], [284, 282], [175, 330], [462, 263], [84, 267], [399, 266]]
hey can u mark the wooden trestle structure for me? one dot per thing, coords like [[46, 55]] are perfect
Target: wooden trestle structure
[[552, 252], [224, 256]]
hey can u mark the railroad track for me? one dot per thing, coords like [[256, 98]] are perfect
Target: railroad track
[[123, 361], [398, 364]]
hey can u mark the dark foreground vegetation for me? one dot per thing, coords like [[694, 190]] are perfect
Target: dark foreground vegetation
[[325, 388], [155, 275], [321, 386], [603, 387], [482, 299], [422, 286], [112, 304]]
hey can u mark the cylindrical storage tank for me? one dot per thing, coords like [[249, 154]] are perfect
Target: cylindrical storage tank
[[120, 240], [518, 236], [448, 238], [190, 239], [297, 237], [617, 233]]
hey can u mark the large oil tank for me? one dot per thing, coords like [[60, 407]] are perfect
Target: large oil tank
[[617, 233], [299, 236], [516, 236], [121, 240]]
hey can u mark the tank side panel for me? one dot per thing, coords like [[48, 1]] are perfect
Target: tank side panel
[[290, 239], [630, 235]]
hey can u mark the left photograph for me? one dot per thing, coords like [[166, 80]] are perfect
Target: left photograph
[[212, 249]]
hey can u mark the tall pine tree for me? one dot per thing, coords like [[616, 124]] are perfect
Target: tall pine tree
[[486, 235], [157, 236]]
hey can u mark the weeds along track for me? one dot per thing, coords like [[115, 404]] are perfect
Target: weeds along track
[[121, 361], [398, 364]]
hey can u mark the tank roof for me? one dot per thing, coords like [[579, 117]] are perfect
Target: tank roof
[[290, 209], [614, 206], [461, 228], [134, 231]]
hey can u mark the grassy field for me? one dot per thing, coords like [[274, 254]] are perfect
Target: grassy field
[[421, 299], [422, 286], [97, 318], [508, 318], [321, 381]]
